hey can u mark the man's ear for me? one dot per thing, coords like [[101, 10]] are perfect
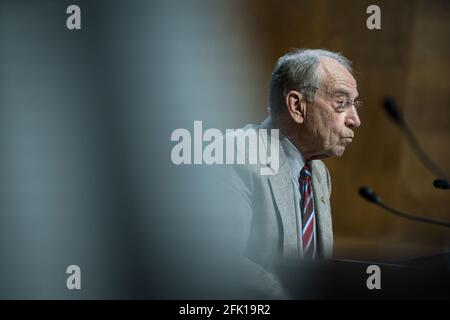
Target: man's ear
[[296, 105]]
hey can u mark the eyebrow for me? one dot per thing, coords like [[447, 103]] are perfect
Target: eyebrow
[[343, 92]]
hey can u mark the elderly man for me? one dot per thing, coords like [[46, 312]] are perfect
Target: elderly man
[[287, 215]]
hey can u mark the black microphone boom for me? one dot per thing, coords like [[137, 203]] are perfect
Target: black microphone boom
[[441, 184], [368, 194], [392, 109]]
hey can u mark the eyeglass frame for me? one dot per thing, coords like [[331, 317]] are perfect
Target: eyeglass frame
[[358, 104]]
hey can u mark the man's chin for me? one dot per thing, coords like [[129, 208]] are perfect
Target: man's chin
[[335, 153], [339, 152]]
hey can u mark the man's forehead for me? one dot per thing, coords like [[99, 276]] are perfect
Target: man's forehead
[[335, 75]]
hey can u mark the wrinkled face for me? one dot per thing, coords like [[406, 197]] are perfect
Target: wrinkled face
[[329, 125]]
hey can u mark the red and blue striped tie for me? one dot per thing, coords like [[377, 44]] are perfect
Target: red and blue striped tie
[[307, 209]]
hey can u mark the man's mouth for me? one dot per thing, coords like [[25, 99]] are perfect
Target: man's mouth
[[347, 140]]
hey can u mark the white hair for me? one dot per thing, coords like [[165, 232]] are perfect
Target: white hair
[[297, 70]]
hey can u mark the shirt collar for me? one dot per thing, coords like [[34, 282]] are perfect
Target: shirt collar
[[294, 157]]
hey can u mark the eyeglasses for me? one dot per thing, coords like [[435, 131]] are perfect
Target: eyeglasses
[[340, 101], [343, 103]]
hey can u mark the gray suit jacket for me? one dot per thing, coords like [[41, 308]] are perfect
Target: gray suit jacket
[[264, 221]]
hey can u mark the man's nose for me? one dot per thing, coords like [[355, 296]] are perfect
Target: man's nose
[[352, 120]]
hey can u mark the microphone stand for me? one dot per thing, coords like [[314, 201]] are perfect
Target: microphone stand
[[414, 217], [392, 109], [430, 164], [369, 195]]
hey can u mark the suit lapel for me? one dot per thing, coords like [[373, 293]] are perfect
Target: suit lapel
[[281, 188], [323, 213]]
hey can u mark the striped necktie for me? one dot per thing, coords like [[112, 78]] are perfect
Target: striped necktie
[[307, 210]]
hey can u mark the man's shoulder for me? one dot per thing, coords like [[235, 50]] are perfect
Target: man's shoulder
[[245, 130], [249, 143]]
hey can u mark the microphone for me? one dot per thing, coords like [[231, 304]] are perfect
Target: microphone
[[393, 110], [368, 194], [441, 184]]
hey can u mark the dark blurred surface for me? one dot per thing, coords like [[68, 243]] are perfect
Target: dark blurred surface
[[423, 278]]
